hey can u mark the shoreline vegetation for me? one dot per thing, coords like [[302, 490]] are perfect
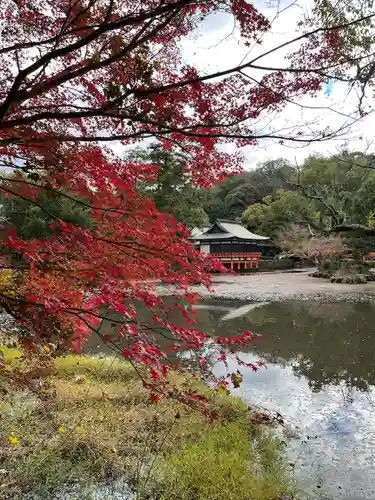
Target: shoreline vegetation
[[86, 429]]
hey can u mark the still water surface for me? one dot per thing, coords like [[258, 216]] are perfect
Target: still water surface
[[320, 376]]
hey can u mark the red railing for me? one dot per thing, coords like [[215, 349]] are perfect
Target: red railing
[[240, 255]]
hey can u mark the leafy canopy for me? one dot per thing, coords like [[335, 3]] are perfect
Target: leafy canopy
[[278, 211]]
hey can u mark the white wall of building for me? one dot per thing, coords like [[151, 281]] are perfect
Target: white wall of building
[[205, 248]]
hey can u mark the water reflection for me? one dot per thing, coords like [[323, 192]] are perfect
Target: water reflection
[[320, 376], [327, 343]]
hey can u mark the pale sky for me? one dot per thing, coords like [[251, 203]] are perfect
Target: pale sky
[[217, 47]]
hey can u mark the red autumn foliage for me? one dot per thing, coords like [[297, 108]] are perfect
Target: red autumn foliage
[[76, 75]]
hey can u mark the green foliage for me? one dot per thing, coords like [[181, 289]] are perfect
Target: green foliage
[[342, 187], [172, 192], [357, 38], [215, 201], [239, 198], [33, 221], [360, 244], [321, 193], [371, 219], [256, 216], [278, 211], [227, 463], [230, 197]]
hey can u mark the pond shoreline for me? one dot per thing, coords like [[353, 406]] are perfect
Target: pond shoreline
[[283, 286]]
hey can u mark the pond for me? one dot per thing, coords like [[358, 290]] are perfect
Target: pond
[[320, 376]]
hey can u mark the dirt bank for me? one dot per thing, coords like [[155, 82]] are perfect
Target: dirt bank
[[278, 286]]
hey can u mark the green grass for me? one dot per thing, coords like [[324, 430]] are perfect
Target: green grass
[[91, 420], [228, 462]]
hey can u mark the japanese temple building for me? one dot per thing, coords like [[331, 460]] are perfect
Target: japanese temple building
[[232, 243]]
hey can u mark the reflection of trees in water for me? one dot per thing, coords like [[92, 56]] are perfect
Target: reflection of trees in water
[[331, 311], [327, 343], [331, 343]]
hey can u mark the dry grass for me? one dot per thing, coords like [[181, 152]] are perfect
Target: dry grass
[[91, 420]]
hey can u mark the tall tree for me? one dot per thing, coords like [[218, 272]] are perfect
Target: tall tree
[[172, 191], [215, 202], [78, 74], [35, 220]]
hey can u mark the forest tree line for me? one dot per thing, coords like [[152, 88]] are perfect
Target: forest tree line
[[288, 202], [275, 198], [272, 197]]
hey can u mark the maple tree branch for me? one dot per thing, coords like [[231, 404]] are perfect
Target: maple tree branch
[[336, 27], [131, 243], [7, 190], [79, 311], [314, 70], [64, 195], [80, 12], [47, 41], [51, 40], [106, 111], [109, 11], [12, 95], [227, 72], [63, 51], [152, 251], [150, 133], [286, 99], [26, 45], [364, 80], [70, 75]]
